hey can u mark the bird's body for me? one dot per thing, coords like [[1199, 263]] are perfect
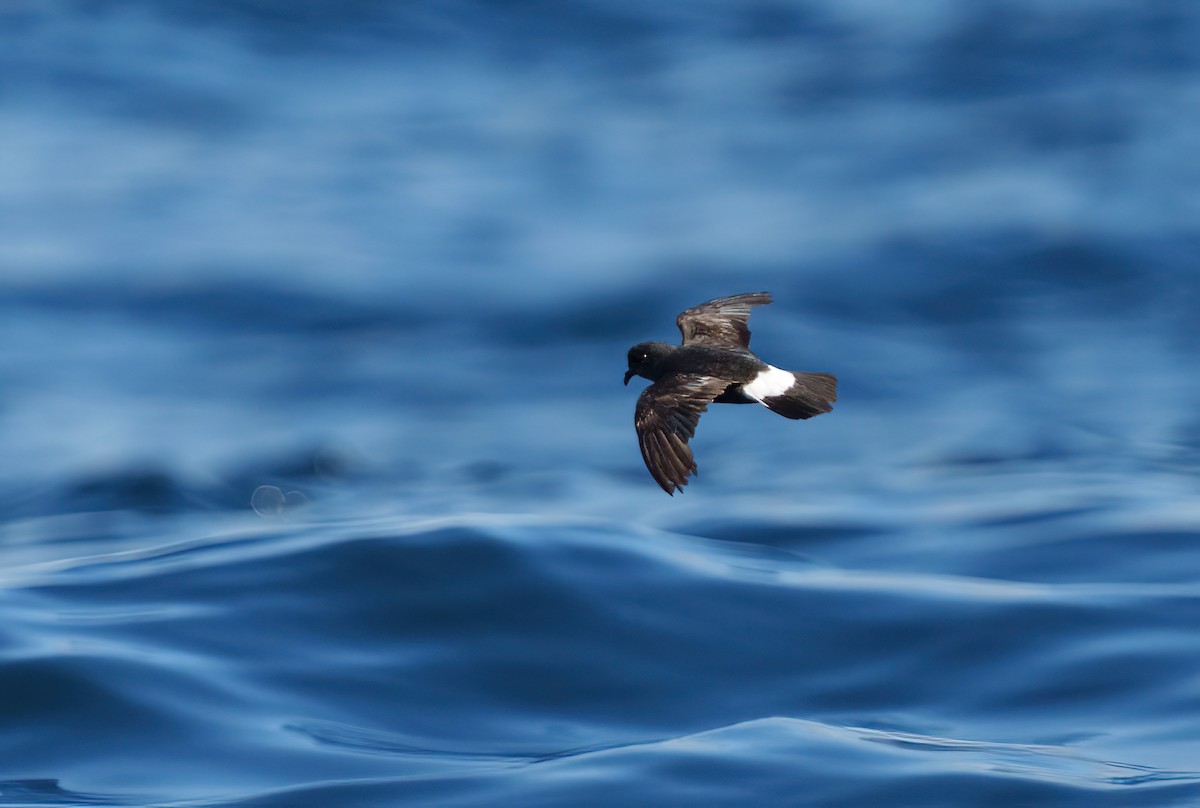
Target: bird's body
[[713, 365]]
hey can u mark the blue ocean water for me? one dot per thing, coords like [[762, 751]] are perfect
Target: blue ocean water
[[320, 483]]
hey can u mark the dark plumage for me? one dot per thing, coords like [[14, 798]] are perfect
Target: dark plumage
[[714, 364]]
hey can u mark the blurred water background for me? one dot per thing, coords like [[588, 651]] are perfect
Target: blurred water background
[[320, 485]]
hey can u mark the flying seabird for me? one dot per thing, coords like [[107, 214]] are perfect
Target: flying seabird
[[714, 364]]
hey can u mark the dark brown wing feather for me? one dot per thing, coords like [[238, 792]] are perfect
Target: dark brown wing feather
[[666, 417], [721, 323]]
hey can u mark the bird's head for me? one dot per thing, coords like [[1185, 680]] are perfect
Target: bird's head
[[644, 360]]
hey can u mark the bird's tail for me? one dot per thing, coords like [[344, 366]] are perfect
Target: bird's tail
[[810, 394]]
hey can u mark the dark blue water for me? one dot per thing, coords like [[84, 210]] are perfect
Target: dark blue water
[[320, 486]]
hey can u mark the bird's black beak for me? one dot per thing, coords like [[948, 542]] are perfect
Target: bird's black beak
[[629, 374]]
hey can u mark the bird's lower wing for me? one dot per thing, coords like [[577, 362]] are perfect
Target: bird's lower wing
[[666, 417]]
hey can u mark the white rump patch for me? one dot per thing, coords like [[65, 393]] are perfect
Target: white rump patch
[[769, 383]]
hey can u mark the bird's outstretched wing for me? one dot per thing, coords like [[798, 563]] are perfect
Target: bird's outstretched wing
[[721, 323], [666, 417]]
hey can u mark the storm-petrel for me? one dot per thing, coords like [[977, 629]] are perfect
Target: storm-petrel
[[714, 364]]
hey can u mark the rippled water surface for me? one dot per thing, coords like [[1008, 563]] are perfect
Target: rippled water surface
[[320, 484]]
